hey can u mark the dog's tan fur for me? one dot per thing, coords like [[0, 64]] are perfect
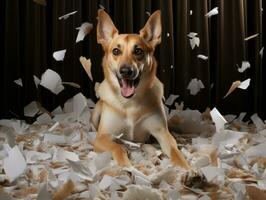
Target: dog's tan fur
[[143, 113]]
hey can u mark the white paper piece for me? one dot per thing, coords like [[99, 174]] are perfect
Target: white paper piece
[[258, 122], [105, 182], [227, 137], [245, 84], [203, 57], [53, 127], [148, 13], [195, 86], [37, 81], [44, 194], [59, 55], [244, 66], [86, 64], [54, 139], [136, 192], [170, 100], [52, 81], [19, 82], [19, 126], [15, 164], [214, 11], [251, 37], [58, 110], [211, 172], [83, 31], [43, 119], [64, 17], [77, 104], [31, 109], [80, 170], [218, 119], [261, 52], [34, 156], [192, 34], [62, 155], [193, 39], [191, 12], [75, 85]]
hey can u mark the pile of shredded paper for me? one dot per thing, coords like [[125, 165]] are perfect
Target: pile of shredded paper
[[53, 158]]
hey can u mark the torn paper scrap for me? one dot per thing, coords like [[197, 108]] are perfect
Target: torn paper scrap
[[213, 12], [227, 137], [251, 37], [44, 194], [256, 151], [194, 42], [31, 109], [62, 155], [218, 119], [52, 81], [83, 31], [258, 122], [192, 34], [59, 55], [136, 192], [19, 82], [41, 2], [245, 84], [203, 57], [105, 182], [234, 85], [64, 17], [170, 100], [211, 172], [75, 85], [77, 104], [195, 86], [15, 164], [244, 66], [37, 81], [80, 170], [191, 12], [86, 64]]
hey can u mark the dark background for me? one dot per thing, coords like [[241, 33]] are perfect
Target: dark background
[[32, 32]]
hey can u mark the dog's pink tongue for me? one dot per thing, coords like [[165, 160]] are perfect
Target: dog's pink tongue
[[126, 89]]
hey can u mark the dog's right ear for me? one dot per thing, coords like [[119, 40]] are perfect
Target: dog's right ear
[[106, 29]]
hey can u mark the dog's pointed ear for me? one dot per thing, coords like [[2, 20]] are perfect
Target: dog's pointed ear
[[106, 29], [152, 30]]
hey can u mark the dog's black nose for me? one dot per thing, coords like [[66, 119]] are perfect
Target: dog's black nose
[[126, 72]]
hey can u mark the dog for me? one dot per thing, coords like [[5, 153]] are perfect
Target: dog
[[130, 96]]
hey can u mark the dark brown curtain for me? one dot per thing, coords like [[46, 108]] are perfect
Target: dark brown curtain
[[32, 32]]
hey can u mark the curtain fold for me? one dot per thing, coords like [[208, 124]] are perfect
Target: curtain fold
[[32, 32]]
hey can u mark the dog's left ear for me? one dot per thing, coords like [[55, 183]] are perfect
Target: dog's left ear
[[106, 29], [152, 30]]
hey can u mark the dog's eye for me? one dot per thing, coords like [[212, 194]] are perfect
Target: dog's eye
[[116, 51], [138, 51]]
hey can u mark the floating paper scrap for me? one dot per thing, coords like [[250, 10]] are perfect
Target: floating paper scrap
[[234, 85], [261, 52], [195, 86], [203, 57], [19, 82], [101, 6], [83, 31], [170, 100], [251, 37], [218, 119], [77, 104], [41, 2], [191, 12], [194, 40], [31, 109], [86, 64], [245, 65], [59, 55], [15, 164], [245, 84], [71, 84], [148, 13], [52, 81], [64, 17], [37, 81], [258, 122], [214, 11]]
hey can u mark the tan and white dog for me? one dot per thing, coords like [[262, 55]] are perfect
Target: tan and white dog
[[131, 94]]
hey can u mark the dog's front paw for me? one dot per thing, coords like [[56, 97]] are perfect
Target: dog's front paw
[[193, 179]]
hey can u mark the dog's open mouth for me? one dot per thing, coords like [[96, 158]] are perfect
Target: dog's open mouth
[[128, 86]]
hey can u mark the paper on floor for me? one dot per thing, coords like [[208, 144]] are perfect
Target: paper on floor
[[44, 194], [19, 82], [244, 66], [83, 31], [213, 12], [59, 55], [136, 192], [52, 81], [64, 17], [77, 104], [31, 109], [260, 125], [195, 86], [218, 119], [86, 64], [15, 164], [170, 100]]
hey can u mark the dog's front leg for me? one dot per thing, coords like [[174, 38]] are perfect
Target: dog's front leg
[[104, 142], [158, 128]]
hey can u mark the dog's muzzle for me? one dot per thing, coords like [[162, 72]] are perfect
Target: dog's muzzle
[[128, 79]]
